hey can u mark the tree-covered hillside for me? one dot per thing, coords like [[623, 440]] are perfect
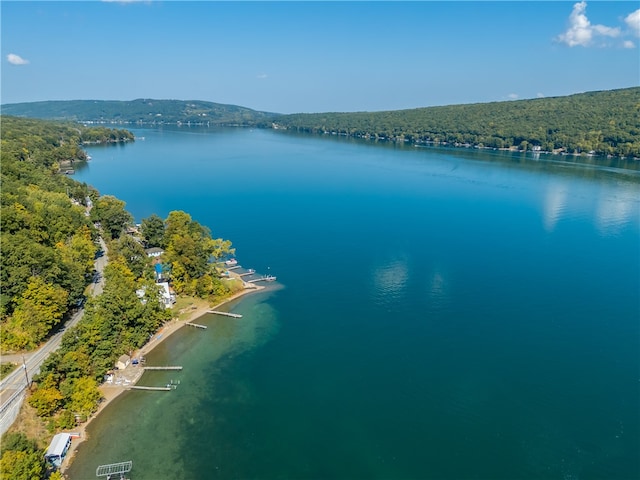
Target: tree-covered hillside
[[606, 123], [140, 111], [47, 239], [603, 123]]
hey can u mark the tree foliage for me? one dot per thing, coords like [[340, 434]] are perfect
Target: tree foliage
[[109, 211], [46, 238], [39, 309], [152, 228], [21, 465], [605, 123], [141, 111], [190, 251]]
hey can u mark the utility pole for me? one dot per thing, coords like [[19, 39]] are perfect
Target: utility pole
[[26, 374]]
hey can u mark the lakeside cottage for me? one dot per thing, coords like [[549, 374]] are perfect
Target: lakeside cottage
[[58, 449], [167, 296], [123, 362], [154, 252]]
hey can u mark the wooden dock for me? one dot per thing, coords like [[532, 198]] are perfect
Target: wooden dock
[[164, 368], [191, 324], [226, 314], [156, 389], [268, 278], [246, 273]]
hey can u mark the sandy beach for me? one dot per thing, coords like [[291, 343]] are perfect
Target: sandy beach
[[130, 375]]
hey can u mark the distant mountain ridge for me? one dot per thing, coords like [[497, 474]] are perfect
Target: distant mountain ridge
[[139, 111], [594, 123]]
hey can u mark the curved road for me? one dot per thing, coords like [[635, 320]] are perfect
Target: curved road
[[12, 387]]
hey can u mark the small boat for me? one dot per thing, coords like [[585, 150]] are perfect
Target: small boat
[[232, 261]]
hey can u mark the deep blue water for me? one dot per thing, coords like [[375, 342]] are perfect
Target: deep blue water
[[439, 314]]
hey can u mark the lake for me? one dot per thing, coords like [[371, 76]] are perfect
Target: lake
[[439, 313]]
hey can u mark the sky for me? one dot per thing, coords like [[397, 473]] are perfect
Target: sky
[[289, 57]]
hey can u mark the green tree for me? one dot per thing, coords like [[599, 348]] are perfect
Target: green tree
[[152, 228], [41, 307], [17, 441], [111, 214], [21, 465], [85, 396], [133, 254], [46, 400]]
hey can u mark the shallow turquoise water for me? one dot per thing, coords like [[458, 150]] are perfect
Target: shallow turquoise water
[[438, 314]]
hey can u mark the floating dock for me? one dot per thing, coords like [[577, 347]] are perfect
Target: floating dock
[[157, 389], [191, 324], [268, 278], [164, 368], [226, 314]]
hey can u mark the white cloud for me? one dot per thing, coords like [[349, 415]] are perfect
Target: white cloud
[[14, 59], [512, 96], [262, 75], [540, 95], [633, 22], [581, 32], [628, 44]]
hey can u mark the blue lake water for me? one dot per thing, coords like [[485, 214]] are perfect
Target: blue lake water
[[439, 314]]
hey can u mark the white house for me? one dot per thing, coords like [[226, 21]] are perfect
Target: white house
[[58, 448], [154, 252], [166, 297], [123, 362]]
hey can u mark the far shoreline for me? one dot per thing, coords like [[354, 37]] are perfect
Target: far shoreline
[[111, 392]]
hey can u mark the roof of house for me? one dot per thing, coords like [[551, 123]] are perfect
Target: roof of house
[[58, 445], [124, 358]]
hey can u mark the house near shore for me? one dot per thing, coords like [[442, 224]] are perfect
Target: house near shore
[[166, 295], [154, 252], [58, 449], [123, 362]]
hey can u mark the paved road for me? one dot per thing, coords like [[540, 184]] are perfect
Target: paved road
[[12, 386]]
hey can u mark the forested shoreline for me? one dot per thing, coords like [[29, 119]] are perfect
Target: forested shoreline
[[50, 231], [603, 123], [597, 123]]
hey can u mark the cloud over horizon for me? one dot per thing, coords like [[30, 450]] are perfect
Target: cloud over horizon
[[14, 59], [633, 22], [581, 32]]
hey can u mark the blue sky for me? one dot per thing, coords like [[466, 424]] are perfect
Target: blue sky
[[291, 57]]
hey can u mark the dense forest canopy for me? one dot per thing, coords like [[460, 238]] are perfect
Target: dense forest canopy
[[47, 239], [140, 111], [601, 123]]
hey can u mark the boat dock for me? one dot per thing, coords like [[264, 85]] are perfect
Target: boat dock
[[268, 278], [226, 314], [164, 368], [191, 324], [156, 389]]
